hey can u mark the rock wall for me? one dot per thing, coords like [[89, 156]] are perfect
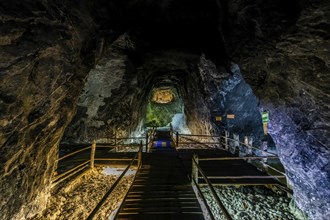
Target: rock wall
[[42, 69], [226, 92], [112, 99], [286, 62]]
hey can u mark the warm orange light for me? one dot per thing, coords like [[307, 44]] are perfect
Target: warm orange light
[[162, 96]]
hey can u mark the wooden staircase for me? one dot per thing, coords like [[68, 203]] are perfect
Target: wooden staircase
[[161, 190]]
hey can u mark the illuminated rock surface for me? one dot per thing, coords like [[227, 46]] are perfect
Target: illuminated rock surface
[[162, 96]]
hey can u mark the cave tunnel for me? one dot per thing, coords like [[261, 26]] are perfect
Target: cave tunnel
[[76, 71]]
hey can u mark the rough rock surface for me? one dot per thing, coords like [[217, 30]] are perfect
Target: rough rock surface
[[42, 68], [228, 93], [106, 105], [288, 68]]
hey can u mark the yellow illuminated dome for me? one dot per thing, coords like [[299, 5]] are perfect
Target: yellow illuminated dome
[[162, 96]]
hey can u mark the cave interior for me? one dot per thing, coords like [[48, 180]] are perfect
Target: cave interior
[[78, 70]]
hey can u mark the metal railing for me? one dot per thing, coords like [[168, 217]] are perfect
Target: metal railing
[[138, 157], [196, 169]]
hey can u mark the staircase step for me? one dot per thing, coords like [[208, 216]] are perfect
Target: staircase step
[[161, 191], [161, 195], [161, 204], [161, 209], [161, 199], [160, 216], [139, 191]]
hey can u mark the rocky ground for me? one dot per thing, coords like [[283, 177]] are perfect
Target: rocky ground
[[254, 203], [76, 202]]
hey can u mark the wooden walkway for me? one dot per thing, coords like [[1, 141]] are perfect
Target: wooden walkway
[[161, 190]]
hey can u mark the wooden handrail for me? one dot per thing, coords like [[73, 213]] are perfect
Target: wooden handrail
[[105, 197], [274, 169], [212, 136], [112, 159], [199, 135], [215, 195], [73, 153], [117, 145], [196, 142], [70, 175], [238, 158], [71, 170], [136, 173], [204, 199], [244, 177], [249, 146], [126, 138]]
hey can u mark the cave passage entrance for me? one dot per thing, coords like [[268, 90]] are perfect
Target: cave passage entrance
[[165, 107]]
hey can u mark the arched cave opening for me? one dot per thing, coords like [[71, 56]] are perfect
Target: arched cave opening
[[166, 108]]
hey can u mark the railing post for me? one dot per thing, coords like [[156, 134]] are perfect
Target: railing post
[[147, 140], [264, 148], [226, 140], [140, 155], [236, 145], [194, 169], [177, 139], [115, 139], [248, 144], [116, 148], [92, 155]]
